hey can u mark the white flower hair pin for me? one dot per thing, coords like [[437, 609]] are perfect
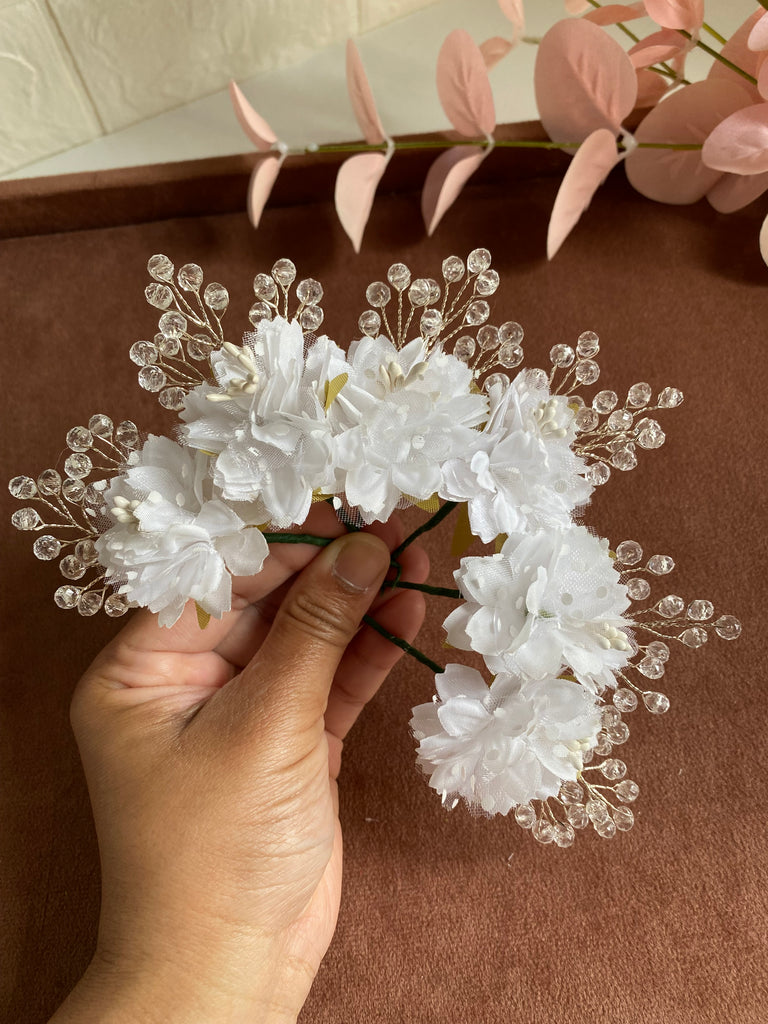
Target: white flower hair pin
[[427, 405]]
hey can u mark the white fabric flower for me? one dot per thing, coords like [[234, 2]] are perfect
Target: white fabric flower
[[506, 744], [266, 423], [401, 416], [172, 539], [548, 600], [520, 474]]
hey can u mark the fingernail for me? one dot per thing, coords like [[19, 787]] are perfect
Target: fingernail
[[360, 563]]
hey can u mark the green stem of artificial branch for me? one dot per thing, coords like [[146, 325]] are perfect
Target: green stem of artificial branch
[[714, 33], [430, 524], [297, 538], [403, 645], [718, 56], [363, 147], [426, 588], [663, 69]]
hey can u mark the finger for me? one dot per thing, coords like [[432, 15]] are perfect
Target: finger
[[320, 615], [369, 659]]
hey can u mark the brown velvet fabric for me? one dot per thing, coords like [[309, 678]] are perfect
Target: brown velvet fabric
[[444, 917]]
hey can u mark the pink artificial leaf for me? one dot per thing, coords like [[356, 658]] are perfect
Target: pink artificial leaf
[[577, 6], [612, 14], [764, 240], [758, 36], [587, 171], [463, 86], [735, 191], [656, 48], [739, 144], [494, 50], [263, 177], [650, 88], [253, 124], [762, 76], [356, 185], [685, 14], [445, 179], [686, 116], [583, 80], [513, 9], [361, 98], [737, 51]]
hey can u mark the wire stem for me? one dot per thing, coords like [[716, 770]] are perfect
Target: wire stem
[[430, 524], [427, 588], [403, 645], [297, 538]]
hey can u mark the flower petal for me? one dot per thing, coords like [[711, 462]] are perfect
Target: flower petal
[[253, 124], [356, 184], [587, 171], [463, 86], [446, 178], [739, 144], [583, 80], [361, 98], [263, 177], [685, 14]]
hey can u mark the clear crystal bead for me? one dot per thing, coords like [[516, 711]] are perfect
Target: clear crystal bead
[[453, 269], [22, 487], [620, 420], [577, 815], [488, 338], [671, 606], [571, 792], [216, 296], [49, 482], [158, 295], [613, 769], [284, 272], [93, 498], [586, 419], [369, 323], [399, 276], [694, 637], [618, 733], [659, 650], [542, 831], [143, 353], [525, 816], [71, 568], [603, 744], [623, 818], [657, 703], [624, 699], [79, 439], [46, 547], [477, 312], [728, 627], [127, 434], [660, 565], [67, 596], [172, 398], [586, 371], [629, 552], [627, 791], [596, 810], [605, 402], [86, 552], [78, 465], [624, 459], [264, 288], [495, 380], [649, 435], [651, 668], [434, 291], [562, 356], [564, 835], [190, 277], [89, 602], [311, 317], [378, 294], [167, 346], [100, 425], [26, 519], [478, 260], [700, 610], [639, 395], [598, 473], [464, 348], [260, 311], [606, 829], [199, 347], [510, 355], [160, 267], [638, 589], [587, 344], [115, 606], [487, 282], [151, 378], [431, 323], [172, 325], [309, 291], [609, 716], [511, 331], [669, 398], [418, 293]]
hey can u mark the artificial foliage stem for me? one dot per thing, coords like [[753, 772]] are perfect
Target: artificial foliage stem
[[403, 645], [718, 56], [663, 68], [430, 524], [427, 588]]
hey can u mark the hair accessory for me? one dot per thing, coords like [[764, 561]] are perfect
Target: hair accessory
[[428, 404]]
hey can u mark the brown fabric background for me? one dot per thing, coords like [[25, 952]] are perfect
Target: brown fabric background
[[444, 917]]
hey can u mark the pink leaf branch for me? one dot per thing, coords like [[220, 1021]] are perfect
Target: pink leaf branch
[[656, 48], [494, 50], [735, 191], [739, 144], [263, 178], [679, 14], [445, 179], [253, 124], [260, 133], [463, 86], [612, 14], [361, 98]]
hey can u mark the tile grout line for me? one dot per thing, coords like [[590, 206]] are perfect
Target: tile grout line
[[74, 65]]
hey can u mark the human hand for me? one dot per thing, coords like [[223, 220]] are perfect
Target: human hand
[[211, 758]]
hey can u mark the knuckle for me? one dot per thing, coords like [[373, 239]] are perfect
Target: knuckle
[[320, 618]]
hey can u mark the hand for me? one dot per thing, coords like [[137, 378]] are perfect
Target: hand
[[212, 758]]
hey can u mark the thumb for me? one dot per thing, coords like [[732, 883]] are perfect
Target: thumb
[[319, 616]]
